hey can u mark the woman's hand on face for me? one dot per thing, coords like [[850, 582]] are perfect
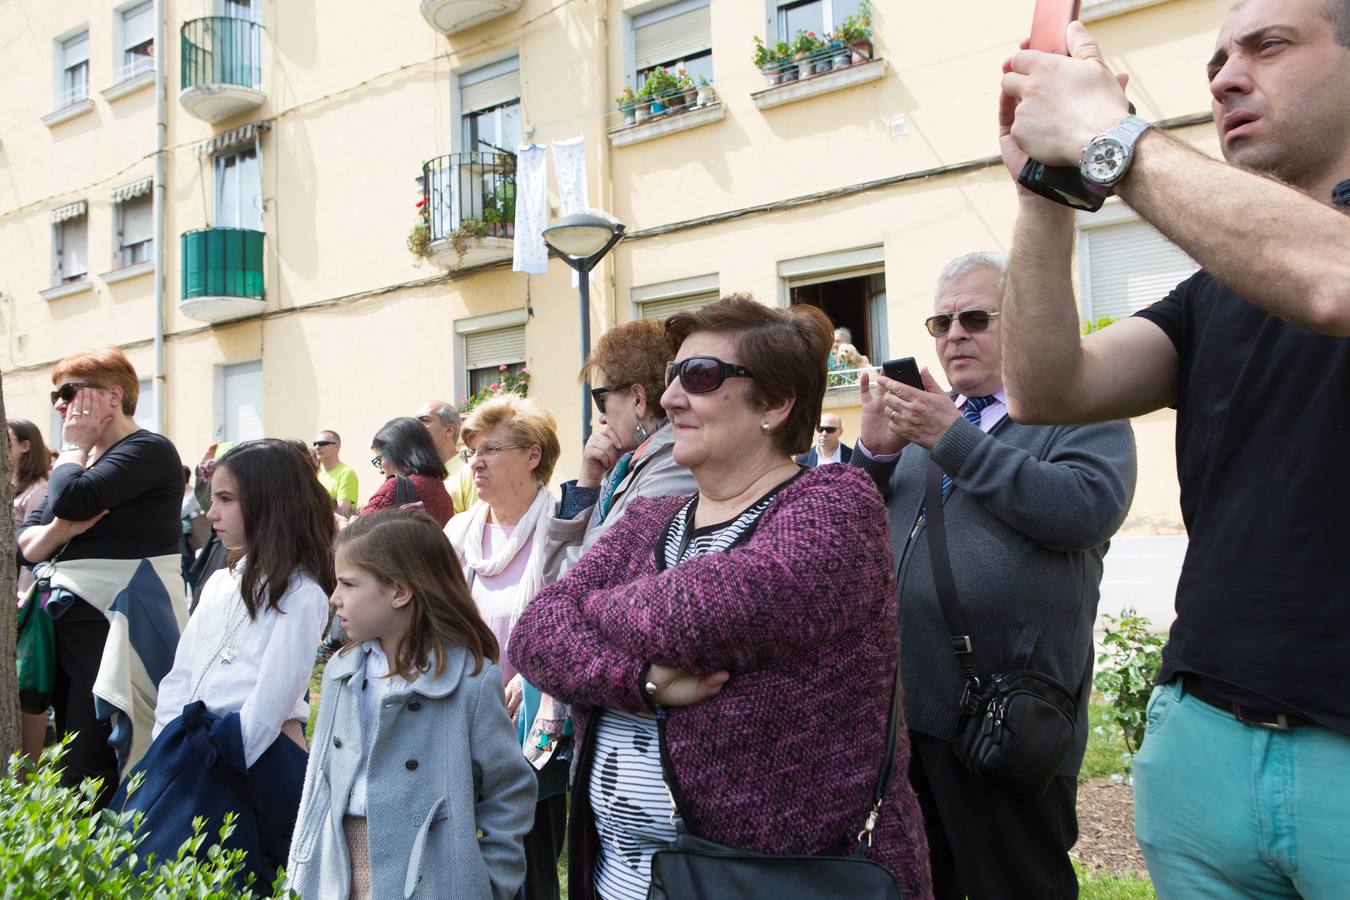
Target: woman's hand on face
[[515, 692], [677, 687], [602, 451], [86, 417]]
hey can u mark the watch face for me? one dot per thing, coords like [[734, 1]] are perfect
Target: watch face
[[1105, 160]]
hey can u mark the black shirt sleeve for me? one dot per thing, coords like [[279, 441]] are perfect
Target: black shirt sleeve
[[1169, 313], [129, 469]]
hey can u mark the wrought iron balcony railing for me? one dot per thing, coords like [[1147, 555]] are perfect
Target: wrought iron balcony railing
[[220, 50], [470, 193]]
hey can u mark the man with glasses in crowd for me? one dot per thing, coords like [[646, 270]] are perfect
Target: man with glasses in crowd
[[829, 447], [338, 478], [1028, 511], [442, 420], [1240, 786]]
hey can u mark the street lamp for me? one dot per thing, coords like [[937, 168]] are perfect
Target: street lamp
[[582, 240]]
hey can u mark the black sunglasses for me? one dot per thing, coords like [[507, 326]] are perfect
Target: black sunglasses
[[827, 429], [598, 395], [324, 443], [67, 392], [970, 319], [703, 374]]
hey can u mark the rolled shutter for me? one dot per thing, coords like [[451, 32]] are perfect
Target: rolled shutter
[[136, 220], [1128, 266], [672, 38], [664, 309], [490, 86], [138, 25], [493, 348]]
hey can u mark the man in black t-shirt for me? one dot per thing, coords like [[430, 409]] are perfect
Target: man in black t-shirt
[[1240, 787]]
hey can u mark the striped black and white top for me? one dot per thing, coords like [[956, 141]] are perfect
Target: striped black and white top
[[634, 813]]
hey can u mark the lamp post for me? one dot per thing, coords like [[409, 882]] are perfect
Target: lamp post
[[582, 240]]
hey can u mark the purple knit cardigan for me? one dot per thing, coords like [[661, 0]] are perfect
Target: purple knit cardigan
[[803, 616]]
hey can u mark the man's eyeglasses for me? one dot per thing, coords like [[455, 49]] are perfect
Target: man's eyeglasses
[[598, 395], [488, 451], [378, 461], [318, 444], [827, 429], [704, 374], [67, 392], [971, 320]]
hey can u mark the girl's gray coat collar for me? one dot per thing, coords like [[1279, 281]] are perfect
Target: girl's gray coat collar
[[351, 661]]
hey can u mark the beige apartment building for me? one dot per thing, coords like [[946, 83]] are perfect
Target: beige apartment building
[[226, 190]]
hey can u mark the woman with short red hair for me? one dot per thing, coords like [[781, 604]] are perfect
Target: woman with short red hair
[[108, 533]]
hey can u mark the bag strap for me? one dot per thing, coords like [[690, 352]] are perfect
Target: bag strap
[[405, 491], [943, 579]]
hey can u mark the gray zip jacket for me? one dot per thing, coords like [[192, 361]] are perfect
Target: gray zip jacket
[[1028, 520]]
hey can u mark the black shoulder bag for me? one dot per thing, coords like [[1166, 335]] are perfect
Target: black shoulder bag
[[1016, 727], [696, 869]]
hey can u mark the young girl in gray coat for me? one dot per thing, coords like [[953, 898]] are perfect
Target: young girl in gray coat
[[413, 745]]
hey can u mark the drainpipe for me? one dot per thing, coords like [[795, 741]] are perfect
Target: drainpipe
[[606, 181], [161, 134]]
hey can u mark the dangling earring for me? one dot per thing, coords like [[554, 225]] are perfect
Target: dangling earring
[[639, 432], [764, 426]]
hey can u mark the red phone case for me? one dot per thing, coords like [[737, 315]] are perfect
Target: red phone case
[[1048, 24]]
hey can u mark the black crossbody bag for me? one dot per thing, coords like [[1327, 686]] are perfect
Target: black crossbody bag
[[696, 869], [1016, 726]]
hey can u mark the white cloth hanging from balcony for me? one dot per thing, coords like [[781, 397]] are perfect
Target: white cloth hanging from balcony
[[531, 254], [569, 168]]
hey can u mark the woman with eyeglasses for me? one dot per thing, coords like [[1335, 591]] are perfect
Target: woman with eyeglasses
[[729, 658], [511, 446], [407, 457], [109, 532], [630, 454]]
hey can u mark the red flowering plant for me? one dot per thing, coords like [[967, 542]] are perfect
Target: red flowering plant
[[512, 381], [419, 238]]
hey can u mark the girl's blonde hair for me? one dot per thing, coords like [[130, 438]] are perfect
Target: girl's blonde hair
[[407, 547]]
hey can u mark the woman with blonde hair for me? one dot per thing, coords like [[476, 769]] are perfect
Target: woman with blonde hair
[[511, 449]]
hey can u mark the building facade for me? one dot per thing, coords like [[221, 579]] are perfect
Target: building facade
[[229, 190]]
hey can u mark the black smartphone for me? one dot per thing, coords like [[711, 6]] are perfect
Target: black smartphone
[[904, 370], [1063, 184]]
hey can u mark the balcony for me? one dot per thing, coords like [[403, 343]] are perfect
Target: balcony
[[222, 67], [469, 202], [449, 16], [222, 274]]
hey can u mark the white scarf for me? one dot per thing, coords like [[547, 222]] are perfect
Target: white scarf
[[466, 535]]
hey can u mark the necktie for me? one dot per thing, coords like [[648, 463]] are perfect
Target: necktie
[[971, 413]]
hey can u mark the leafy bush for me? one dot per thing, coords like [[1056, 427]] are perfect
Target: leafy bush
[[1129, 664], [54, 845], [512, 382], [1098, 325]]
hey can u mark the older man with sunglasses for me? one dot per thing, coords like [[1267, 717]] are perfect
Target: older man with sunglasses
[[1028, 511]]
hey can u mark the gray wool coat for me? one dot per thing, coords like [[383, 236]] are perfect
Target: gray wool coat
[[1029, 517], [444, 764]]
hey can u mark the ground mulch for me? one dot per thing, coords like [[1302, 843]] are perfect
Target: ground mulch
[[1106, 828]]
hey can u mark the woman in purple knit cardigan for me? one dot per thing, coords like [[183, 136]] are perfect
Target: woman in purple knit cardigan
[[751, 628]]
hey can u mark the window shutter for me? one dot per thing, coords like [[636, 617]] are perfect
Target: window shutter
[[74, 247], [1128, 266], [136, 216], [138, 25], [243, 401], [664, 309], [75, 50], [673, 38], [492, 348], [489, 86]]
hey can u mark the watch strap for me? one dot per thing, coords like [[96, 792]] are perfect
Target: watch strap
[[1127, 131]]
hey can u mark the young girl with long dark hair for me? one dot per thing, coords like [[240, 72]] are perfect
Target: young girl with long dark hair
[[230, 716], [413, 745]]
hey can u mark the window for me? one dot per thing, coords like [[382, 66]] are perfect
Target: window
[[138, 41], [238, 9], [489, 104], [134, 218], [72, 83], [70, 243], [485, 352], [850, 287], [820, 16], [661, 301], [1124, 265], [145, 405], [239, 189], [239, 402], [674, 37]]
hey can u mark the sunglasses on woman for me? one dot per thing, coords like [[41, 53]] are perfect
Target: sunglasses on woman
[[971, 320], [67, 392], [598, 395], [704, 374]]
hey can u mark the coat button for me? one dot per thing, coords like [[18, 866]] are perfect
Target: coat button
[[411, 765], [337, 742], [414, 705]]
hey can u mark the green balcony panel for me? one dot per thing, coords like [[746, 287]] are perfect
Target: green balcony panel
[[222, 273]]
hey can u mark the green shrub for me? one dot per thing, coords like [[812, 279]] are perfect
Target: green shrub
[[1128, 666], [1098, 325], [54, 845]]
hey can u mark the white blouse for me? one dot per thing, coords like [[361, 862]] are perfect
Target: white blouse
[[376, 685], [259, 669]]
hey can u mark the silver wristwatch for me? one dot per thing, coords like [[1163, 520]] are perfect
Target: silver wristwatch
[[1107, 157]]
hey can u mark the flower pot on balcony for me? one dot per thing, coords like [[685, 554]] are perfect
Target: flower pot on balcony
[[706, 94], [629, 114], [690, 96], [787, 71], [659, 107], [823, 62], [643, 111], [862, 51], [805, 66], [840, 56]]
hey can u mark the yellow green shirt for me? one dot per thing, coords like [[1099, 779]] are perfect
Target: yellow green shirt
[[339, 482], [459, 485]]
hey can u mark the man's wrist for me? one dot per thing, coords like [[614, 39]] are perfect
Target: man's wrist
[[72, 447]]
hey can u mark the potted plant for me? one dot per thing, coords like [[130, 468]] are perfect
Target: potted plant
[[686, 86], [840, 55], [782, 62], [628, 105], [706, 94], [661, 88], [856, 32], [419, 237], [803, 46], [823, 58], [643, 110], [766, 61]]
